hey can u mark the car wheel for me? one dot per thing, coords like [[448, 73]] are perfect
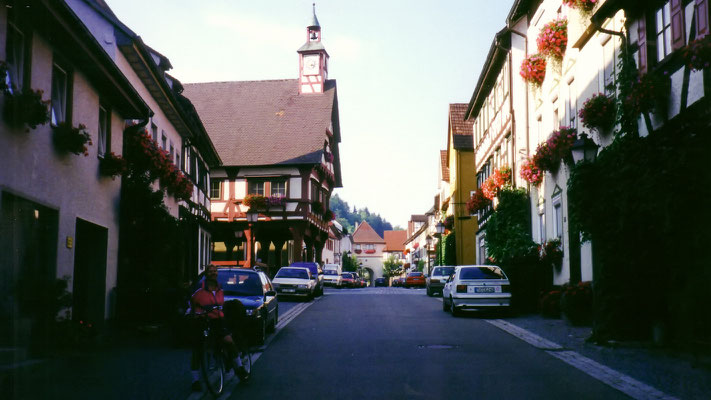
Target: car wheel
[[429, 292], [445, 308], [455, 311], [272, 326]]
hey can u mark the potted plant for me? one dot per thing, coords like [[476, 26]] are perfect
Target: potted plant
[[549, 154], [112, 165], [68, 138], [552, 40], [449, 222], [551, 253], [317, 207], [598, 112], [582, 5], [697, 54], [533, 69], [328, 157], [648, 93], [477, 201], [530, 172], [329, 215], [255, 201]]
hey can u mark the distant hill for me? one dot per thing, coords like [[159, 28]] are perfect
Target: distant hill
[[347, 216]]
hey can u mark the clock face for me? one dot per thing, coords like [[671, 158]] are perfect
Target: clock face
[[311, 65]]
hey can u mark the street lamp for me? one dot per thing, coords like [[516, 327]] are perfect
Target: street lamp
[[584, 149], [439, 228], [252, 217], [429, 245]]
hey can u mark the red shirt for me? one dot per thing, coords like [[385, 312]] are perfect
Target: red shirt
[[204, 297]]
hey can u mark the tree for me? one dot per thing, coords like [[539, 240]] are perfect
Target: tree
[[350, 263], [392, 267]]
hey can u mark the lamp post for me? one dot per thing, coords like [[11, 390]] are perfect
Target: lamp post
[[439, 228], [429, 245], [252, 217]]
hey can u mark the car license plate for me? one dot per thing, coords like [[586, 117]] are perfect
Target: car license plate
[[288, 290], [484, 289]]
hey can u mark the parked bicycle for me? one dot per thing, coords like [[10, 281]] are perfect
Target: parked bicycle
[[215, 360]]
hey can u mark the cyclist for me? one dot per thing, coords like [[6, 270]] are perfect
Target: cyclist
[[210, 294]]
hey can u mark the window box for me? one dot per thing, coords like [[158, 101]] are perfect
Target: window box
[[255, 201], [112, 165], [369, 251], [26, 107], [67, 138]]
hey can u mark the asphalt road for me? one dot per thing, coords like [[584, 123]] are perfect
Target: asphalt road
[[393, 343]]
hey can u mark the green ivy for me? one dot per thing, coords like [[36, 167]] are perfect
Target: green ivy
[[449, 252]]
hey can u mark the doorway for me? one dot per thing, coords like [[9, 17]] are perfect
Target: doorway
[[89, 291]]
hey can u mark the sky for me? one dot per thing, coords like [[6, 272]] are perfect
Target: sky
[[398, 65]]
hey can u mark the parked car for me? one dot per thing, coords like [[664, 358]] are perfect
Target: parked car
[[397, 282], [295, 281], [316, 273], [256, 293], [347, 280], [381, 282], [436, 280], [476, 287], [415, 279], [331, 277]]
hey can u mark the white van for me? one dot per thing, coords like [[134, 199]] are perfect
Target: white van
[[332, 275]]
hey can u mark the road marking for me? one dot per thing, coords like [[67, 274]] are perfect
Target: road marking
[[617, 380], [230, 381], [378, 290]]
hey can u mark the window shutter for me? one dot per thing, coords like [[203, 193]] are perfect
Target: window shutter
[[702, 18], [642, 44], [677, 24]]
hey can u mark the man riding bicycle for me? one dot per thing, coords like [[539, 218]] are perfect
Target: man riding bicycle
[[210, 294]]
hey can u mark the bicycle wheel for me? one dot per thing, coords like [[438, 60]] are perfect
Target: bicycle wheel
[[213, 369]]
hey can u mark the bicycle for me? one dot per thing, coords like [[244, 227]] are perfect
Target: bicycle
[[214, 358]]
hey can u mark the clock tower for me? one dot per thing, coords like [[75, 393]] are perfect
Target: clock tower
[[313, 60]]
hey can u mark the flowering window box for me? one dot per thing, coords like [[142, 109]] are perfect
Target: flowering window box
[[112, 165], [276, 201], [357, 251], [533, 69], [598, 112], [369, 251], [70, 139]]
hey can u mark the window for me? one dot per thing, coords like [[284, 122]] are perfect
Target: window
[[482, 251], [571, 106], [315, 191], [163, 141], [608, 68], [215, 189], [558, 219], [15, 54], [60, 94], [663, 31], [542, 226], [278, 189], [256, 187], [104, 145], [154, 132], [556, 119]]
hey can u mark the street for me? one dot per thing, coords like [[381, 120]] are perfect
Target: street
[[389, 343]]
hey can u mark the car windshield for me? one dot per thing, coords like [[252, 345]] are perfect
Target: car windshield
[[446, 271], [240, 283], [344, 275], [330, 272], [482, 273], [414, 274], [292, 273]]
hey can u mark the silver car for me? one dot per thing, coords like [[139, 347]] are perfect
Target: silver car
[[476, 287], [436, 280]]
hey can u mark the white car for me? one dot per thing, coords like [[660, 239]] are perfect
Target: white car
[[435, 282], [331, 277], [476, 287], [294, 281]]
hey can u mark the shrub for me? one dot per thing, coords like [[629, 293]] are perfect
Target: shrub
[[533, 69], [576, 303], [549, 303], [553, 39]]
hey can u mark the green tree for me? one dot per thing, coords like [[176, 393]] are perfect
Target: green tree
[[392, 267], [350, 263]]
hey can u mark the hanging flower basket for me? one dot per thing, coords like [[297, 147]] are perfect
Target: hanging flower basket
[[551, 253], [598, 112], [68, 138], [531, 173], [549, 154], [533, 69], [697, 54], [582, 5], [329, 215], [553, 39], [112, 165], [317, 207], [26, 107], [255, 201], [328, 157], [477, 202], [449, 223], [648, 93], [181, 187]]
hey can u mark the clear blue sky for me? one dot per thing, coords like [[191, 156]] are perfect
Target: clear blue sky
[[398, 65]]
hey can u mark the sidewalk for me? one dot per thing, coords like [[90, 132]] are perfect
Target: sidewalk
[[684, 376], [129, 365]]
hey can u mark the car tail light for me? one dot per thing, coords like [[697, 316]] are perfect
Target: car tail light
[[506, 288], [461, 288]]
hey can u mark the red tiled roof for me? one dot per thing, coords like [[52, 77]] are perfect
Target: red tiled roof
[[395, 240], [366, 234], [264, 122], [444, 165], [457, 124]]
